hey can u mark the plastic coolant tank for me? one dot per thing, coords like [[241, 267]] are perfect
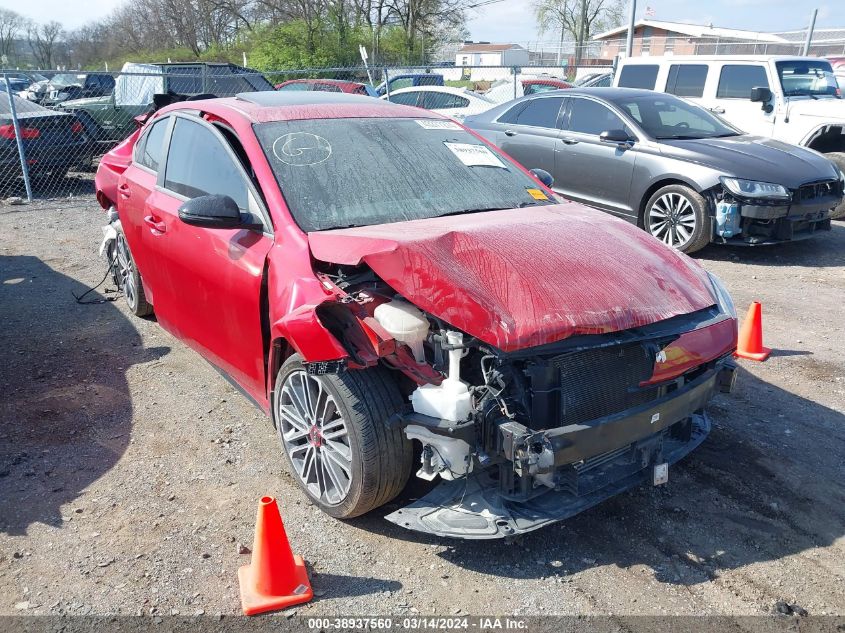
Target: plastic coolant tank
[[448, 401], [451, 399], [406, 323]]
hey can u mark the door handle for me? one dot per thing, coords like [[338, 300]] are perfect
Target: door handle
[[569, 141], [156, 226], [717, 109], [510, 133], [123, 191]]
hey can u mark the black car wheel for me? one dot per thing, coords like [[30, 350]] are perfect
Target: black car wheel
[[677, 216], [129, 279], [334, 431]]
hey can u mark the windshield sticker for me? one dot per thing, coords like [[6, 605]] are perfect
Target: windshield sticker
[[301, 149], [433, 124], [537, 194], [474, 155]]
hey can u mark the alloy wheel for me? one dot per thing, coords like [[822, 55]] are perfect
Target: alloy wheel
[[671, 219], [315, 437], [125, 271]]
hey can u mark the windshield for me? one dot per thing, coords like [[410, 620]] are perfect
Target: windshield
[[666, 117], [337, 173], [67, 80], [807, 77]]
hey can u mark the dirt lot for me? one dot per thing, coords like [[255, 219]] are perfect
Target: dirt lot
[[130, 470]]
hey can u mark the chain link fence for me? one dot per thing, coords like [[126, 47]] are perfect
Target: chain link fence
[[53, 130]]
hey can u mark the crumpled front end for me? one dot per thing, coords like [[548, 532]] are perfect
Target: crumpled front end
[[558, 429], [540, 376]]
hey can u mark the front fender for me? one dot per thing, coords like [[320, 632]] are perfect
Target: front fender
[[304, 332]]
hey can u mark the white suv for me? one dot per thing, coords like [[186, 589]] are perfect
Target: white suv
[[792, 99]]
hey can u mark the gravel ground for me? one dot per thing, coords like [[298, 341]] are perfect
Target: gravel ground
[[130, 470]]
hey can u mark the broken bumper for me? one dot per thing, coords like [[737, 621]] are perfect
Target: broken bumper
[[616, 453]]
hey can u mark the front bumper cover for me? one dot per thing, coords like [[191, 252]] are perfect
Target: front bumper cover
[[622, 447]]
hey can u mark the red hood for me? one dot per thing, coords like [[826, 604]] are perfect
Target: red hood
[[526, 277]]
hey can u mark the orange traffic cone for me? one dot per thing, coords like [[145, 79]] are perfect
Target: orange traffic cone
[[275, 579], [750, 344]]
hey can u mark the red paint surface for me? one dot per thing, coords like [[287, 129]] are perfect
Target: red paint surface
[[526, 277]]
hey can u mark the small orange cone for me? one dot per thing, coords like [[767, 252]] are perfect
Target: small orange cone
[[275, 579], [750, 344]]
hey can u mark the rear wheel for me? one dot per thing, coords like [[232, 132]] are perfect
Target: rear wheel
[[334, 431], [677, 216], [838, 159], [129, 279]]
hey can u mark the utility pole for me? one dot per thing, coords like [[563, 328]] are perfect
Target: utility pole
[[629, 44], [810, 32]]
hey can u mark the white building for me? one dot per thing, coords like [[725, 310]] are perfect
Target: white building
[[486, 54]]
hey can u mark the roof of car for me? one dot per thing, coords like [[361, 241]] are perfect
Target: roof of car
[[267, 106], [611, 94]]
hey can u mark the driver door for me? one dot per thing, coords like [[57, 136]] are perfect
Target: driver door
[[597, 173], [207, 281]]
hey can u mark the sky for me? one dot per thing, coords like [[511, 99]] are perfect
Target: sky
[[512, 20]]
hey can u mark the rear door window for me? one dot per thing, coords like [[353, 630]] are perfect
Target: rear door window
[[443, 101], [638, 76], [686, 80], [736, 82], [149, 151], [542, 112], [406, 98]]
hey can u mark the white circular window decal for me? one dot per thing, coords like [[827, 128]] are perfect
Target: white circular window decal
[[301, 149]]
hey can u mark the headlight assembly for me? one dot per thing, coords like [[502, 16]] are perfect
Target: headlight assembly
[[754, 189], [722, 296]]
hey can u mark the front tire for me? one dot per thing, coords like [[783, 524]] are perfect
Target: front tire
[[677, 216], [334, 432]]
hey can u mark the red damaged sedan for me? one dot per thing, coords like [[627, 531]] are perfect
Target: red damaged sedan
[[398, 295]]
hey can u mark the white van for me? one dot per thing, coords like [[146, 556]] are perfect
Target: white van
[[792, 99]]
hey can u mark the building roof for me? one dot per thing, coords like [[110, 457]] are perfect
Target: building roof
[[487, 48], [694, 30]]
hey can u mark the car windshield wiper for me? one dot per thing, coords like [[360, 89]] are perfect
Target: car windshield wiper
[[802, 93], [520, 205], [680, 137]]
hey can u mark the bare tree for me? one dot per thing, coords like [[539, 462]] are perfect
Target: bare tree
[[10, 26], [420, 19], [578, 18], [43, 40]]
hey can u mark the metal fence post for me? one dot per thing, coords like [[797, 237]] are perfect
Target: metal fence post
[[513, 71], [17, 126], [386, 82]]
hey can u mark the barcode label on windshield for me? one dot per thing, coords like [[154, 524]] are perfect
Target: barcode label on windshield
[[474, 155], [436, 124]]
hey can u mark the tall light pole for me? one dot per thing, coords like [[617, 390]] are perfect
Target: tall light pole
[[810, 32], [629, 44]]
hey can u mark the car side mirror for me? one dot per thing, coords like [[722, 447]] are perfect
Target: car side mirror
[[214, 212], [615, 136], [760, 94], [543, 176]]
